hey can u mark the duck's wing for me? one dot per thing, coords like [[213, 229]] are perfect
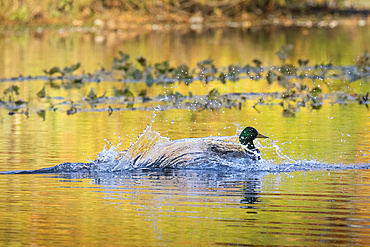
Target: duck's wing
[[189, 153], [226, 149], [193, 153]]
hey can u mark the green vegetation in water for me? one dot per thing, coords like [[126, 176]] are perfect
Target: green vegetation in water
[[64, 73], [10, 101], [206, 71], [298, 81]]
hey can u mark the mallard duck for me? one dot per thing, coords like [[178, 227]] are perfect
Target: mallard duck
[[246, 138], [191, 152]]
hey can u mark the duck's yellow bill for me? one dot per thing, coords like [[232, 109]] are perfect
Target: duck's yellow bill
[[261, 136]]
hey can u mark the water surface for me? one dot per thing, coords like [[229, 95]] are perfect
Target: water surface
[[323, 203]]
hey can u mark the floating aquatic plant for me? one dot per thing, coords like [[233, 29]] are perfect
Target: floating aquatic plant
[[65, 72], [233, 72], [214, 95], [363, 62], [270, 77], [284, 52], [92, 94], [93, 97], [149, 80], [128, 70], [303, 62], [143, 95], [121, 62], [52, 71], [289, 111], [125, 92], [257, 62], [207, 69], [69, 70], [15, 111], [142, 61], [12, 89], [9, 99], [182, 73], [41, 113], [295, 79], [364, 99], [222, 77], [41, 93], [72, 110], [110, 110]]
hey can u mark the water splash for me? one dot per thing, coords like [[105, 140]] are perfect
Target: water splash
[[221, 153], [279, 152], [140, 148], [156, 110]]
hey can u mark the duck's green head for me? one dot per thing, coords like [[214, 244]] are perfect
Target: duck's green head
[[248, 135]]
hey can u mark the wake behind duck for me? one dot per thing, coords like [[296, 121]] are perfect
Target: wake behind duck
[[152, 151]]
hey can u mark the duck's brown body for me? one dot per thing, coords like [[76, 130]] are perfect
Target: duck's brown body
[[190, 153]]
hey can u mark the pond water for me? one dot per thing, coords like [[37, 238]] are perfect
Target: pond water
[[324, 200]]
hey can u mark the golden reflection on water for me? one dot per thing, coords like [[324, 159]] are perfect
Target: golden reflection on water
[[301, 208], [186, 209]]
